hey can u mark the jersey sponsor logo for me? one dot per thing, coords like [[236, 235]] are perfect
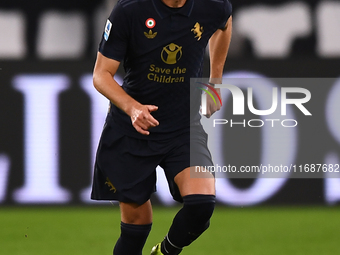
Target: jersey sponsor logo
[[166, 75], [197, 30], [107, 31], [171, 53]]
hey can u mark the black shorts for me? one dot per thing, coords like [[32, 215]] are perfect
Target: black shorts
[[125, 167]]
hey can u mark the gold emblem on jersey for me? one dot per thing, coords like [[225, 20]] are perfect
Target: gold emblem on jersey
[[150, 35], [198, 31], [171, 53], [108, 183]]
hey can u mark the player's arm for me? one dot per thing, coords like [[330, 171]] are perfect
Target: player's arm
[[103, 80], [218, 49]]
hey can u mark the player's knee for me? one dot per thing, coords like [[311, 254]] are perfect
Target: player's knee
[[200, 209], [132, 213]]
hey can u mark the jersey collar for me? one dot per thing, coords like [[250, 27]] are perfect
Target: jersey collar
[[164, 12]]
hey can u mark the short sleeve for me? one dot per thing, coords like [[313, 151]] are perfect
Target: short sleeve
[[115, 37], [227, 13]]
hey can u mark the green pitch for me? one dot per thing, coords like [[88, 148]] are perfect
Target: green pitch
[[234, 231]]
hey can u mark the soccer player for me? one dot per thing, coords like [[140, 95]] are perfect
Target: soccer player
[[162, 45]]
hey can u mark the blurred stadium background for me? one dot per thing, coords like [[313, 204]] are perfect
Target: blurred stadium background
[[51, 118]]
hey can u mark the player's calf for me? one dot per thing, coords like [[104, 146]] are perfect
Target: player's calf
[[189, 223], [132, 239]]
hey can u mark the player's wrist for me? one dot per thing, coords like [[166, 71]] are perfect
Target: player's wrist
[[131, 107], [213, 81]]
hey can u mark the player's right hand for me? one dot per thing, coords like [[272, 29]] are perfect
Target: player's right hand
[[142, 120]]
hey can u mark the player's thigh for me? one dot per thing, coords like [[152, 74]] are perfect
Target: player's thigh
[[190, 183], [132, 213]]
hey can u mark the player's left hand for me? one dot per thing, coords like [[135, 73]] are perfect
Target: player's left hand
[[213, 107]]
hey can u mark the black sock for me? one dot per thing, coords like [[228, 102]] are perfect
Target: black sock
[[169, 248], [132, 239], [189, 223]]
